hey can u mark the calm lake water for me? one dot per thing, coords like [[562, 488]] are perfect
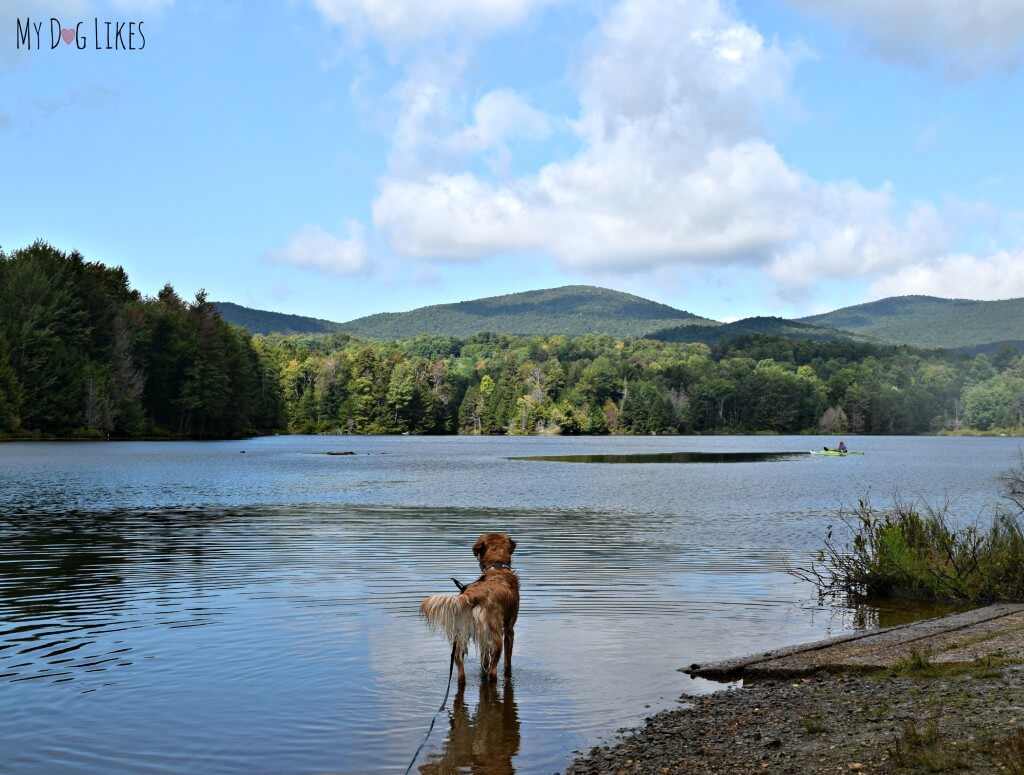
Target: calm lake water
[[184, 607]]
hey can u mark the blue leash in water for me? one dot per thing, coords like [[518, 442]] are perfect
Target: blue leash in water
[[447, 691]]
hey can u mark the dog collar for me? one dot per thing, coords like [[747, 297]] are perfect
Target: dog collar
[[496, 566]]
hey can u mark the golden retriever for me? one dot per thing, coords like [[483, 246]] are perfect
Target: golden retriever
[[484, 612]]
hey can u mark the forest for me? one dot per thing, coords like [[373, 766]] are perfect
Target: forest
[[84, 355]]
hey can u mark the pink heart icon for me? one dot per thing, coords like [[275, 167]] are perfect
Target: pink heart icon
[[68, 35]]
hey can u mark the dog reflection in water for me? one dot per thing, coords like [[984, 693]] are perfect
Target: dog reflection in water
[[483, 741]]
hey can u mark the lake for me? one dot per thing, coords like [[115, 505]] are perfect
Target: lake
[[252, 605]]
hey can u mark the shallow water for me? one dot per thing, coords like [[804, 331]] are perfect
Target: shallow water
[[173, 607]]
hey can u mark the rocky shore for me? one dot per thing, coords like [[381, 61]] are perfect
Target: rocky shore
[[968, 719], [940, 695]]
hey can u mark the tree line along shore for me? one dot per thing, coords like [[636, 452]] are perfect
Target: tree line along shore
[[84, 355]]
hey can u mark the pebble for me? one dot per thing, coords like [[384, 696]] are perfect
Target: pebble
[[764, 727]]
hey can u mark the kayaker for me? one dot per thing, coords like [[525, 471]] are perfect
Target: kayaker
[[842, 446]]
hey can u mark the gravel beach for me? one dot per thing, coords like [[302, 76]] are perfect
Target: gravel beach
[[968, 719]]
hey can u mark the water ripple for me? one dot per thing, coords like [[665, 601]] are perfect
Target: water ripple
[[219, 612]]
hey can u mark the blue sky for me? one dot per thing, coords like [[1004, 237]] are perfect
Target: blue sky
[[337, 158]]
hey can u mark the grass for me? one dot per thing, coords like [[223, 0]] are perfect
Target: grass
[[914, 664], [1010, 752], [976, 432], [813, 725], [912, 552], [925, 749], [919, 664]]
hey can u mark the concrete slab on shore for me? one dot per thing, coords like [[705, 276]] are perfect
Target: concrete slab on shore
[[995, 631]]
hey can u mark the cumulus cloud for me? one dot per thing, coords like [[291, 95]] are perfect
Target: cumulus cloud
[[416, 19], [849, 231], [314, 248], [673, 168], [963, 38], [996, 276], [431, 132], [499, 116], [610, 209]]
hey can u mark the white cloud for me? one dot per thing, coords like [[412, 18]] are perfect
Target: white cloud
[[673, 168], [849, 231], [613, 209], [997, 276], [416, 19], [499, 116], [314, 248], [963, 38], [430, 132]]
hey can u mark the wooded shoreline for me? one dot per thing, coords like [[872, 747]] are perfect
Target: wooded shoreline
[[83, 354]]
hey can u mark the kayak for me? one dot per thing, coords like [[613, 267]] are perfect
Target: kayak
[[834, 452]]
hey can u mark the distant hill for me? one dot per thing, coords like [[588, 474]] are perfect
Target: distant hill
[[927, 321], [768, 326], [572, 310], [991, 348], [261, 321]]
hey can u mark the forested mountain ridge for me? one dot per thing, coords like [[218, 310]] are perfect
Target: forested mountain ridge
[[260, 321], [928, 321], [571, 310], [922, 321], [83, 354], [756, 326]]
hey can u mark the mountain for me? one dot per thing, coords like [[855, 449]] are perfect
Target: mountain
[[261, 321], [927, 321], [765, 326], [571, 310]]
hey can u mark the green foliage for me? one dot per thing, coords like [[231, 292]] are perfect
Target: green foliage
[[572, 310], [992, 327], [497, 383], [260, 321], [1010, 752], [81, 354], [926, 321], [996, 402], [646, 409], [907, 552], [926, 749], [46, 332], [751, 327]]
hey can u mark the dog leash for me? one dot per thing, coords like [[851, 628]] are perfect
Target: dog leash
[[451, 663], [447, 691]]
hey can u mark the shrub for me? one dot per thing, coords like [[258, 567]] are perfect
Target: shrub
[[906, 551]]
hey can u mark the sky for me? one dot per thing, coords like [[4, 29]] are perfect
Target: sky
[[337, 158]]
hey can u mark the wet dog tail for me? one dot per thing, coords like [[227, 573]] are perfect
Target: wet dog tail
[[452, 615]]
